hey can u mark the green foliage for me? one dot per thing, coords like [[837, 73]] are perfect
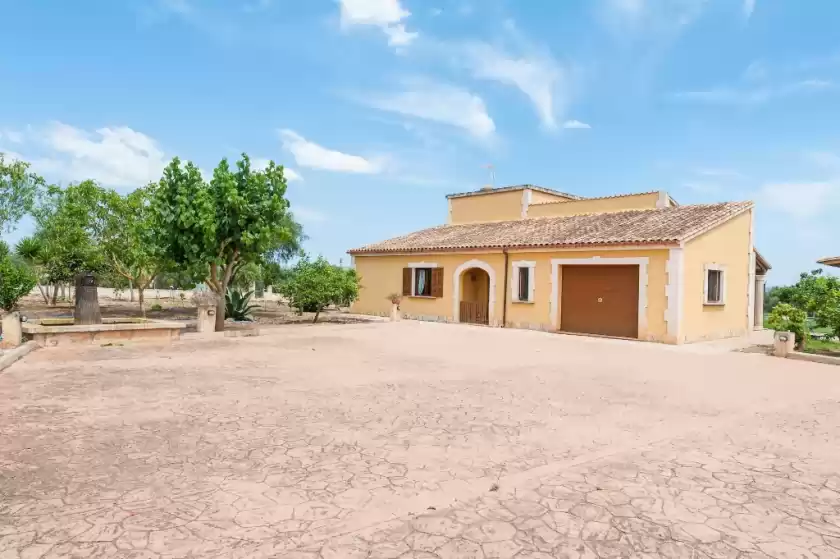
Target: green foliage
[[69, 225], [4, 248], [156, 307], [128, 239], [818, 295], [16, 280], [787, 318], [18, 190], [238, 305], [312, 286], [210, 229]]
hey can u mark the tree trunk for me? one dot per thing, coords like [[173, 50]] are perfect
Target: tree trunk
[[317, 312], [87, 301], [45, 293], [63, 292], [142, 308], [220, 314], [55, 294], [131, 291]]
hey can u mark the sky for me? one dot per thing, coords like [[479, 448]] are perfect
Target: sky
[[379, 108]]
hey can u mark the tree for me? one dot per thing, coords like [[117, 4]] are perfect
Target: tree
[[69, 225], [818, 295], [31, 250], [18, 190], [209, 229], [128, 239], [787, 318], [16, 281], [316, 285]]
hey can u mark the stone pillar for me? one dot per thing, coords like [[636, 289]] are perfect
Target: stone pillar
[[12, 334], [206, 318], [759, 302], [784, 343], [395, 312]]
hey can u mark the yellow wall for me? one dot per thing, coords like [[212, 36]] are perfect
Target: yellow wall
[[728, 245], [538, 197], [382, 275], [600, 205], [496, 206]]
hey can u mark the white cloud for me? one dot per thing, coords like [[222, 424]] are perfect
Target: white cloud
[[387, 15], [824, 159], [311, 155], [756, 71], [260, 164], [651, 16], [440, 103], [117, 156], [576, 124], [749, 8], [719, 173], [536, 74], [802, 200], [308, 215], [752, 95], [12, 136]]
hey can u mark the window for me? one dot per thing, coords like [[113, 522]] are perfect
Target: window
[[422, 282], [522, 282], [715, 286]]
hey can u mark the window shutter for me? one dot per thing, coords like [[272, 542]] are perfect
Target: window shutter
[[437, 282], [406, 282]]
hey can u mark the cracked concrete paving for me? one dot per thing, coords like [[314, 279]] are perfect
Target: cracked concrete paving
[[419, 441]]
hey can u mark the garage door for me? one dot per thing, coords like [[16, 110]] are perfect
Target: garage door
[[600, 300]]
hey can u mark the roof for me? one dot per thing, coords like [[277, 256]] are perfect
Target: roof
[[671, 225], [484, 191], [761, 261], [830, 261]]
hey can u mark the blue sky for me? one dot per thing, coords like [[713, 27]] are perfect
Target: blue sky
[[379, 108]]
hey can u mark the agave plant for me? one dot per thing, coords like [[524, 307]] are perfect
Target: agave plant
[[238, 305]]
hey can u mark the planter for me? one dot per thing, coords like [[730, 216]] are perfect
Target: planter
[[395, 312], [62, 331], [12, 333]]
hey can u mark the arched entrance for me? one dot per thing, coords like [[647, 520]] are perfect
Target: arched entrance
[[475, 296]]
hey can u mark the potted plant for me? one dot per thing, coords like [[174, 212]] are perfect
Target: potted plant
[[395, 299]]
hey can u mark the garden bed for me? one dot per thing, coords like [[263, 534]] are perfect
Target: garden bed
[[52, 332], [822, 347]]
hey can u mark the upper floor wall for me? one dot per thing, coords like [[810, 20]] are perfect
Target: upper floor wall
[[520, 202], [499, 204], [608, 204]]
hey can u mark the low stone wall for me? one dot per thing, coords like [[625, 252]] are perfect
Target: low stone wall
[[108, 332]]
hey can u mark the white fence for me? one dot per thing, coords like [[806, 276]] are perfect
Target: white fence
[[152, 295]]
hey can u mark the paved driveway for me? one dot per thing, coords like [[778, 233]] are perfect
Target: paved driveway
[[417, 440]]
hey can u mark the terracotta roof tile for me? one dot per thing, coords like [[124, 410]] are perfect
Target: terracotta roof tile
[[656, 226]]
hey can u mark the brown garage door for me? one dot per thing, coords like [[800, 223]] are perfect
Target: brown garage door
[[600, 300]]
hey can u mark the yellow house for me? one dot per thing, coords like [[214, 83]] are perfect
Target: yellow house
[[634, 266]]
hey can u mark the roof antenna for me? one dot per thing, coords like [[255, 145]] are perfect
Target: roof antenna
[[492, 171]]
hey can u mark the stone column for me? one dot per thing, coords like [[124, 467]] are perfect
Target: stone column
[[12, 334], [206, 318], [759, 301]]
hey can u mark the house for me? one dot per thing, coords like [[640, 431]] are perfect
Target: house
[[633, 266]]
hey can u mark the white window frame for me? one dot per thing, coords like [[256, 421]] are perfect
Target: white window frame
[[714, 268], [414, 266], [514, 284]]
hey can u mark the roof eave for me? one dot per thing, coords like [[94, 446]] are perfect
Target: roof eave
[[659, 242]]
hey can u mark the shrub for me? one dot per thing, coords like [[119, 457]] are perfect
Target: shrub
[[316, 285], [395, 298], [238, 305], [156, 307], [787, 318], [16, 280]]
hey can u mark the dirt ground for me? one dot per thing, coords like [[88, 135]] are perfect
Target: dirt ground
[[267, 312], [417, 440]]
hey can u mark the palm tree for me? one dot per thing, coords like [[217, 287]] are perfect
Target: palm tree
[[31, 250]]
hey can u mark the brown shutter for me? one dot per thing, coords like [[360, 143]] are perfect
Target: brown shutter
[[437, 282], [406, 282]]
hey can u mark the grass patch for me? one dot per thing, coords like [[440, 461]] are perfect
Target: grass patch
[[822, 347]]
